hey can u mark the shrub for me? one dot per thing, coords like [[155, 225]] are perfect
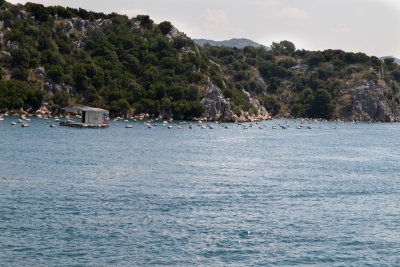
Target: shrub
[[55, 73]]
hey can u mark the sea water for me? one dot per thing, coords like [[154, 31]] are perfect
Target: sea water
[[204, 197]]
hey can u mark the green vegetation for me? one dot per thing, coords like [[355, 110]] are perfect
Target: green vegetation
[[298, 83], [128, 65]]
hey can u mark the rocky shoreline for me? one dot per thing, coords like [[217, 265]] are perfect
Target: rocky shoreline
[[45, 112]]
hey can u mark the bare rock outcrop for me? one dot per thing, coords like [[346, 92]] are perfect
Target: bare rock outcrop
[[300, 67], [174, 37], [173, 34], [82, 26], [262, 113], [12, 45], [216, 106], [369, 103], [5, 54], [260, 81], [49, 86]]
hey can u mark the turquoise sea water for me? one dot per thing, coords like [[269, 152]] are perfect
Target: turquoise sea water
[[220, 197]]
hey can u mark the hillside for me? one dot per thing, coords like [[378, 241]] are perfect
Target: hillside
[[235, 42], [324, 84], [59, 56], [52, 57]]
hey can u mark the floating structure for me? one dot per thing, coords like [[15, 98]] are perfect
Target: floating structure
[[90, 117]]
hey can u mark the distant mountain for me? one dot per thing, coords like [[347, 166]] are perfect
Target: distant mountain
[[235, 42], [396, 60]]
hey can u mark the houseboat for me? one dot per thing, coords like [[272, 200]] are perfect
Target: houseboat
[[89, 117]]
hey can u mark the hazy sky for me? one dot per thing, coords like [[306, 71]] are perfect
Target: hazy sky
[[369, 26]]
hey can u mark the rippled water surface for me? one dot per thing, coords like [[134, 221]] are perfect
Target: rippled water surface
[[220, 197]]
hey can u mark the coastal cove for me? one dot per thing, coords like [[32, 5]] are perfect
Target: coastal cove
[[159, 196]]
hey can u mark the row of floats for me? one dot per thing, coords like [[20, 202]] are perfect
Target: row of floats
[[170, 124], [24, 120]]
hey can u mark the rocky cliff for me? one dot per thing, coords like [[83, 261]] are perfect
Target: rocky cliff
[[217, 107], [366, 102]]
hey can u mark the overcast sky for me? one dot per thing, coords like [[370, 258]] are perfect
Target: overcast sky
[[369, 26]]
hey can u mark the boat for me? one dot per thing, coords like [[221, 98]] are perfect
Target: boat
[[90, 117]]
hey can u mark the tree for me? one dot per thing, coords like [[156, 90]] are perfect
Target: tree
[[19, 74], [63, 46], [297, 110], [306, 96], [120, 106], [283, 48], [267, 69], [55, 72], [315, 59], [273, 84], [165, 27], [44, 39], [192, 93], [61, 99], [288, 47], [196, 109], [396, 75], [137, 91], [165, 105], [272, 105], [20, 57], [322, 105], [145, 21], [35, 98], [389, 61], [39, 11], [9, 97]]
